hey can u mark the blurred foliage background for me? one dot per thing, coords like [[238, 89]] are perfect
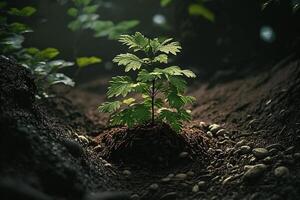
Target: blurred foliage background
[[216, 35]]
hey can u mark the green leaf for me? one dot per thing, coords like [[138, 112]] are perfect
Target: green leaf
[[110, 107], [188, 99], [175, 71], [90, 9], [13, 42], [172, 118], [86, 61], [120, 85], [24, 12], [178, 83], [59, 78], [162, 58], [47, 54], [73, 12], [130, 61], [164, 3], [74, 25], [175, 100], [136, 42], [200, 10], [170, 47], [19, 28], [129, 101], [32, 50], [121, 28], [188, 73]]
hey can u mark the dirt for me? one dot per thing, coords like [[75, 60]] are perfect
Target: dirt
[[59, 148]]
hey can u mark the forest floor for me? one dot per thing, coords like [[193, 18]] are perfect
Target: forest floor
[[243, 142]]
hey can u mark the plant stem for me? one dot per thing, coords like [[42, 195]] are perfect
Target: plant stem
[[153, 99]]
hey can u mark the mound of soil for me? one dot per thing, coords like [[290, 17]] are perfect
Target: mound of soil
[[150, 145]]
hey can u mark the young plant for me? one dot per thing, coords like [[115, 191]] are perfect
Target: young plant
[[157, 93]]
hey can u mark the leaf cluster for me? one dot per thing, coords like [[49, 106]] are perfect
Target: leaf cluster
[[41, 63], [157, 92]]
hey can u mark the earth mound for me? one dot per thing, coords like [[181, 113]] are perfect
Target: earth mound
[[152, 145]]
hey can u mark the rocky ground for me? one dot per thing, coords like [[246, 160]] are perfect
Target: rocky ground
[[243, 142]]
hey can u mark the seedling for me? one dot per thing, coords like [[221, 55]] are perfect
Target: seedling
[[157, 92]]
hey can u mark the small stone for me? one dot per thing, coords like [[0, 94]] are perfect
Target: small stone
[[267, 160], [244, 150], [273, 151], [127, 172], [83, 139], [290, 150], [214, 128], [260, 153], [201, 184], [297, 156], [183, 154], [134, 197], [203, 125], [107, 165], [195, 188], [209, 134], [255, 172], [240, 143], [181, 176], [154, 186], [190, 173], [165, 180], [171, 175], [221, 132], [169, 196], [252, 160], [281, 172], [275, 146], [226, 180]]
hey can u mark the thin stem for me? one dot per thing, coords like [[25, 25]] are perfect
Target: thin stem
[[152, 100]]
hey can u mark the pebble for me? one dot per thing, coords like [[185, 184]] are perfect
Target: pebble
[[127, 172], [190, 173], [203, 125], [297, 155], [267, 160], [183, 154], [290, 150], [201, 184], [281, 172], [226, 180], [214, 128], [169, 196], [181, 176], [165, 180], [107, 165], [260, 153], [209, 134], [240, 143], [255, 172], [275, 146], [273, 151], [135, 197], [244, 149], [195, 188], [83, 139], [221, 132], [171, 175], [154, 186]]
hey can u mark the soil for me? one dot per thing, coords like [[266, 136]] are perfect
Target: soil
[[243, 142]]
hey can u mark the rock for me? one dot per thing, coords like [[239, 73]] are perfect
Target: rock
[[240, 143], [267, 160], [190, 173], [107, 165], [12, 189], [169, 196], [181, 176], [135, 197], [195, 188], [273, 151], [221, 132], [203, 125], [255, 172], [252, 160], [73, 147], [289, 150], [154, 186], [260, 153], [107, 196], [214, 128], [281, 172], [297, 156], [244, 150], [209, 134], [183, 154], [275, 146], [201, 184], [227, 180], [83, 139], [165, 180], [127, 172]]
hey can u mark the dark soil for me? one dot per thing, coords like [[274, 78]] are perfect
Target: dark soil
[[59, 148]]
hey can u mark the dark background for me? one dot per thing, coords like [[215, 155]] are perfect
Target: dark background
[[231, 43]]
